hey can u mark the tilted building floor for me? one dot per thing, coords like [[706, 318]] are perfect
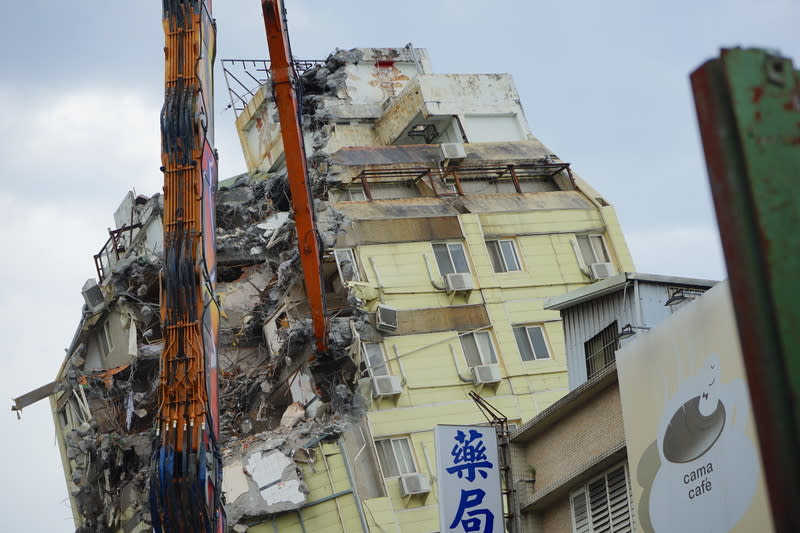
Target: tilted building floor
[[446, 225]]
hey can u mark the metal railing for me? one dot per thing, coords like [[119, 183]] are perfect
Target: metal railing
[[244, 77], [438, 178]]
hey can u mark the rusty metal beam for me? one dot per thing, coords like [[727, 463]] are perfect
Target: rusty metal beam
[[748, 106]]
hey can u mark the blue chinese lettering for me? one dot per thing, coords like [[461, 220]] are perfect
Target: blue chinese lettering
[[469, 499], [469, 456]]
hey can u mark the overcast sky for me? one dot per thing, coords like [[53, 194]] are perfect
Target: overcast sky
[[603, 84]]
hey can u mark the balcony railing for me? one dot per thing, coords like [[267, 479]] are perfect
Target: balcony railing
[[439, 178], [244, 77]]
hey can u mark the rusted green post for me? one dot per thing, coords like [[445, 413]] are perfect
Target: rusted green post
[[748, 106]]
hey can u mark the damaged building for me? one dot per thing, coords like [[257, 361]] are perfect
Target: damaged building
[[445, 226]]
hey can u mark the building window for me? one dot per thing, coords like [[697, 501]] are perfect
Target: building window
[[592, 249], [451, 258], [603, 504], [478, 349], [355, 193], [395, 456], [504, 255], [104, 339], [374, 359], [600, 350], [346, 263], [531, 343]]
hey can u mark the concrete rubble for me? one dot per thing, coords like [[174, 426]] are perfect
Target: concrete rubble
[[275, 407]]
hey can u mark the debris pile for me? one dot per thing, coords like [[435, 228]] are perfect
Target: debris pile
[[276, 405]]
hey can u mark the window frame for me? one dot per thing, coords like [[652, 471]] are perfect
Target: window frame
[[591, 237], [583, 491], [611, 331], [394, 445], [367, 361], [352, 258], [492, 349], [447, 245], [501, 256], [543, 332], [356, 193], [104, 340]]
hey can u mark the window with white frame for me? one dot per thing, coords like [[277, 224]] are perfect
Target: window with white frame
[[592, 249], [346, 263], [503, 254], [478, 348], [374, 359], [531, 343], [451, 258], [603, 504], [395, 456]]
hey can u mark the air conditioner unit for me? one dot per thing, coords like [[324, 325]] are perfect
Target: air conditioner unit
[[93, 296], [458, 282], [411, 484], [453, 151], [601, 270], [386, 318], [386, 386], [485, 374]]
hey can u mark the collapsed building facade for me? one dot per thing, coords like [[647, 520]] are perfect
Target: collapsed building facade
[[445, 226]]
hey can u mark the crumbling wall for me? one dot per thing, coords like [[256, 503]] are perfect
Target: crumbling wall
[[278, 400]]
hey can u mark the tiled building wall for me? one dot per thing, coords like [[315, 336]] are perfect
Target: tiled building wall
[[594, 428]]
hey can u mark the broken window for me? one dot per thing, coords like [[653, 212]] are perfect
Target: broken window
[[63, 416], [504, 255], [600, 350], [478, 348], [104, 340], [355, 193], [451, 258], [592, 249], [346, 263], [374, 359], [395, 456], [531, 343]]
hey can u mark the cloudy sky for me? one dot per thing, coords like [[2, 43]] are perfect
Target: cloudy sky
[[603, 84]]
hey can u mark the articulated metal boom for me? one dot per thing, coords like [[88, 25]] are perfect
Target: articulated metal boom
[[283, 81], [186, 478]]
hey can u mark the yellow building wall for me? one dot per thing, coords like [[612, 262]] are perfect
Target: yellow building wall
[[436, 377]]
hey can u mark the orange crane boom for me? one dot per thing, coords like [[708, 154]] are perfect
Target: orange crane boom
[[284, 82]]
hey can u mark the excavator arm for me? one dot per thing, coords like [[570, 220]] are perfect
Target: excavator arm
[[186, 468], [284, 83]]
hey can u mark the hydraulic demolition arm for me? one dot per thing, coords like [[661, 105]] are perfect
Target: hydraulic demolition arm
[[284, 83], [185, 483]]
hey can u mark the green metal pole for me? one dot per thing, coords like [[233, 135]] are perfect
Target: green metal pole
[[748, 106]]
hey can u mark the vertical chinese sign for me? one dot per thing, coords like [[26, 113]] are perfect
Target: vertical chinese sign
[[469, 479]]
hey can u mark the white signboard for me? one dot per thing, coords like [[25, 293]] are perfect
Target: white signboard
[[469, 479], [692, 451]]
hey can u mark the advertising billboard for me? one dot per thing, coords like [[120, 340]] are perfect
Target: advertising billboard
[[469, 479], [692, 448]]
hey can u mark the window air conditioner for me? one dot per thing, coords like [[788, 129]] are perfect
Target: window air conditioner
[[458, 282], [386, 386], [601, 271], [453, 151], [93, 296], [485, 374], [386, 318], [416, 483]]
